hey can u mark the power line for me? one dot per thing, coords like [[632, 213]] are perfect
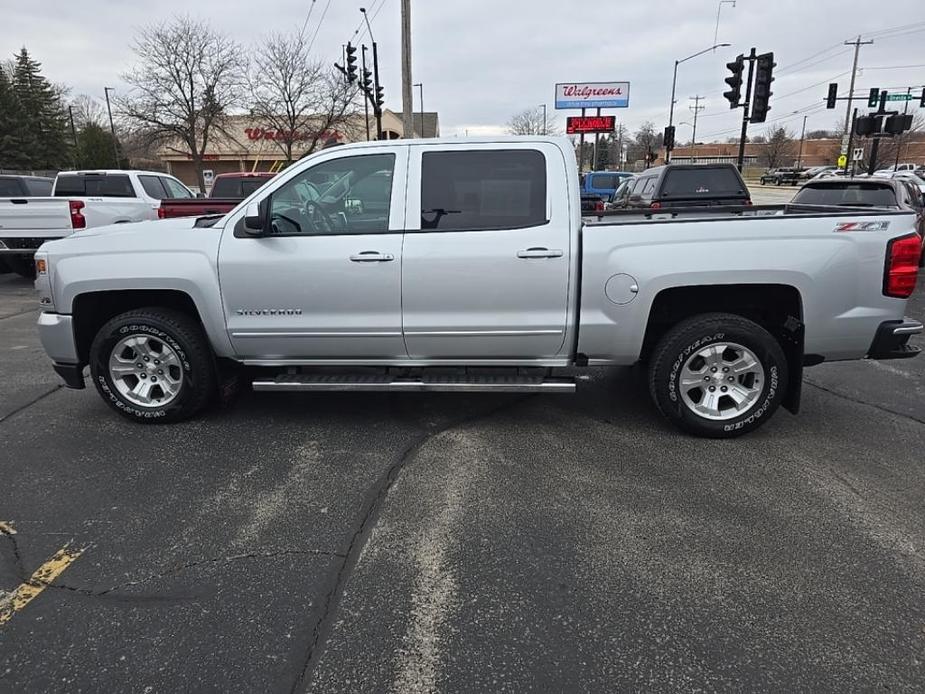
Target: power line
[[318, 28], [307, 17]]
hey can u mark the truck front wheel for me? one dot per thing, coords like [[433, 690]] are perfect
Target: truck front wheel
[[718, 375], [153, 365]]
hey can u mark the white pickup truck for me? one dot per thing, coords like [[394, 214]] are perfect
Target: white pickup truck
[[80, 200], [464, 265]]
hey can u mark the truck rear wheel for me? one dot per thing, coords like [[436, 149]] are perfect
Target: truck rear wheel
[[718, 375], [153, 365]]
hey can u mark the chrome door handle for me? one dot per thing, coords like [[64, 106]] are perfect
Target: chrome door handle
[[372, 257], [540, 253]]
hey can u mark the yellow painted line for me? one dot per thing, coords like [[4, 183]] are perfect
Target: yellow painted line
[[6, 527], [40, 579]]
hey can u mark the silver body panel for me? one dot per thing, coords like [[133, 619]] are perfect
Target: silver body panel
[[468, 298]]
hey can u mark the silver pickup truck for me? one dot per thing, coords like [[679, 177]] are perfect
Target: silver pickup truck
[[465, 265]]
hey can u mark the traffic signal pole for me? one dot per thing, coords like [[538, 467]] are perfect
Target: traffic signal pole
[[377, 109], [365, 96], [740, 162]]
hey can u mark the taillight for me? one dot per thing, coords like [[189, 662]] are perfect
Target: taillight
[[902, 266], [655, 205], [161, 213], [78, 221], [748, 201], [599, 206]]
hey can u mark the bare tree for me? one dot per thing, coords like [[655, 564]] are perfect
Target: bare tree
[[88, 110], [300, 98], [778, 148], [187, 78], [531, 122]]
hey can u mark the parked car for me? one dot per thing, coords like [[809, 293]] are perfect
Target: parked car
[[683, 185], [603, 183], [592, 203], [25, 186], [814, 171], [783, 176], [906, 166], [78, 200], [895, 193], [613, 202], [477, 258], [227, 191], [915, 178]]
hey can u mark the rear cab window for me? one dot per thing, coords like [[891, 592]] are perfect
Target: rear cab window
[[94, 185], [10, 188], [702, 182], [236, 187], [861, 194], [38, 187], [483, 190]]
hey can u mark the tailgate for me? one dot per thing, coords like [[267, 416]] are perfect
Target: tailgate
[[34, 214]]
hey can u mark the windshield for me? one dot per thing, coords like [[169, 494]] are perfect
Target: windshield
[[847, 193]]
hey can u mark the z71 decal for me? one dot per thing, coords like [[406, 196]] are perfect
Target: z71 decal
[[862, 226]]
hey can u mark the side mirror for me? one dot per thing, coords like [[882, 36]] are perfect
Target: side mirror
[[254, 218]]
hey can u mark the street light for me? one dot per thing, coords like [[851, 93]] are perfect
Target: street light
[[719, 8], [802, 135], [115, 146], [544, 118], [674, 83], [420, 86]]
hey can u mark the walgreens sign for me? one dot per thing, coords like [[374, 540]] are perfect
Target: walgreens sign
[[593, 95]]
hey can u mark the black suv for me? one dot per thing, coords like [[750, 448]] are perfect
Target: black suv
[[685, 185]]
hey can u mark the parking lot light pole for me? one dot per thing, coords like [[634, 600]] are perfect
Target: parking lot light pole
[[420, 86], [112, 128], [544, 119], [802, 136], [674, 84]]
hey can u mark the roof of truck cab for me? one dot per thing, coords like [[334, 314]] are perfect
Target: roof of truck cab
[[500, 139], [104, 172]]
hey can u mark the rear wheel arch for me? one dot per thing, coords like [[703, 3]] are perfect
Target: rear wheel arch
[[778, 308]]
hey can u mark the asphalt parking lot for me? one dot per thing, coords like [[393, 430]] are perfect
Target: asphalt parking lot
[[405, 543]]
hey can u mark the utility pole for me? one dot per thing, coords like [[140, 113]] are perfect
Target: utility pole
[[420, 86], [696, 108], [406, 96], [70, 113], [857, 43], [802, 136], [115, 145]]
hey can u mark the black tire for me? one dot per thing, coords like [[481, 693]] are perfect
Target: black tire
[[676, 347], [184, 336], [24, 267]]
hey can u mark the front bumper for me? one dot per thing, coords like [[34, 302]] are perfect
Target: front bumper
[[56, 332], [892, 340]]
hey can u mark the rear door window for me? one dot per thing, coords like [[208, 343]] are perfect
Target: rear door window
[[153, 187], [483, 190], [38, 187], [10, 188], [649, 186], [702, 182]]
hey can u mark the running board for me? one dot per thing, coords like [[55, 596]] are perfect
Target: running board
[[463, 384]]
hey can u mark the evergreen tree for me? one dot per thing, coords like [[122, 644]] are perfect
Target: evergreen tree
[[12, 154], [43, 121], [94, 144]]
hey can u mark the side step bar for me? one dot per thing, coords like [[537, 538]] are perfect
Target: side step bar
[[462, 384]]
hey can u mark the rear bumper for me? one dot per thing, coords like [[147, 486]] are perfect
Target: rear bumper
[[23, 245], [892, 340]]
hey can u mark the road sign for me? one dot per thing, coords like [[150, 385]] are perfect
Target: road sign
[[208, 176], [844, 143], [575, 125], [899, 97], [857, 154], [842, 160]]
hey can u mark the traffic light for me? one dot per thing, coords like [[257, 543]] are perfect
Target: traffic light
[[367, 81], [865, 126], [922, 100], [898, 124], [734, 95], [873, 99], [669, 137], [351, 63], [380, 97], [833, 95], [764, 67]]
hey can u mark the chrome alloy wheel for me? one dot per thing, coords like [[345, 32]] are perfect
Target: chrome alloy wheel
[[721, 381], [145, 370]]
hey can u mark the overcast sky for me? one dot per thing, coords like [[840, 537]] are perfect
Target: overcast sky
[[483, 60]]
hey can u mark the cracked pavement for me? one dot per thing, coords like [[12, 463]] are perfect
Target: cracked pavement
[[416, 543]]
